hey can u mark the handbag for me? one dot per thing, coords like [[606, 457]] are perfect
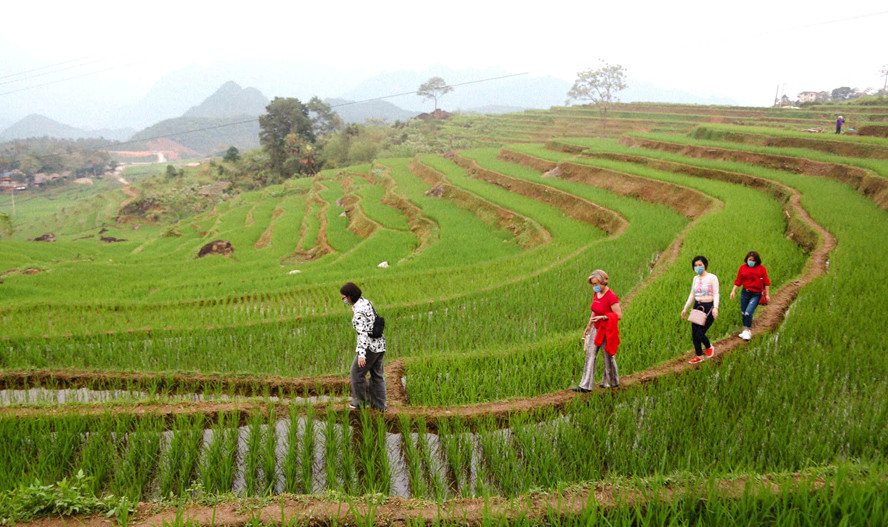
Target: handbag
[[765, 299], [378, 324], [698, 316]]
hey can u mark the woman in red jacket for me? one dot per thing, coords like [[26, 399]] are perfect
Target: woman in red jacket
[[601, 332], [753, 277]]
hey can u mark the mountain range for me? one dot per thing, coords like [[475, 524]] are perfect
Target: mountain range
[[226, 117]]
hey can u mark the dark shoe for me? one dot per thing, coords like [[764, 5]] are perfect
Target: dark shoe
[[352, 406], [602, 385], [580, 390]]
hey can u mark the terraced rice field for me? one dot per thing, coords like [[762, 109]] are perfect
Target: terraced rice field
[[213, 390]]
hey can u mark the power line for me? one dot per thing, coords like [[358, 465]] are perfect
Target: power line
[[68, 78], [824, 23], [50, 72], [41, 68]]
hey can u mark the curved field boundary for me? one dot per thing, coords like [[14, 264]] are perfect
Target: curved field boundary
[[264, 239], [799, 229], [527, 233], [839, 148], [574, 207], [182, 383], [321, 247], [358, 222], [424, 229], [686, 201], [873, 187]]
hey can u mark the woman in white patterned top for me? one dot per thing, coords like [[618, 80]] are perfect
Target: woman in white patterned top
[[369, 352], [705, 297]]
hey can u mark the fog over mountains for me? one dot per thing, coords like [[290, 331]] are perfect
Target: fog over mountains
[[216, 92]]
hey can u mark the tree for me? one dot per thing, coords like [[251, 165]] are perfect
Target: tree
[[599, 86], [324, 120], [841, 94], [232, 155], [284, 131], [434, 88], [6, 224]]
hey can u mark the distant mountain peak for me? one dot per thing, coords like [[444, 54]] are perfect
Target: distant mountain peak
[[230, 100]]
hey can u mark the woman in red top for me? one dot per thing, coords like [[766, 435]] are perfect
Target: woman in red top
[[606, 312], [756, 285]]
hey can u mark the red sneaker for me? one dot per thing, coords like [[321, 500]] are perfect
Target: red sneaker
[[710, 352], [696, 360]]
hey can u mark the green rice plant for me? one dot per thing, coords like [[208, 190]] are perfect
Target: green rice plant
[[269, 453], [58, 441], [291, 458], [253, 454], [306, 452], [218, 463], [412, 458], [138, 461], [535, 436], [172, 458], [457, 446], [98, 454], [347, 458], [435, 484], [502, 459], [368, 471], [384, 481], [331, 451]]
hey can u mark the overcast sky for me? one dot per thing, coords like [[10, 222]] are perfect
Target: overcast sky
[[739, 50]]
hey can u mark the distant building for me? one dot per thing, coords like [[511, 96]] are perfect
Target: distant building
[[808, 96]]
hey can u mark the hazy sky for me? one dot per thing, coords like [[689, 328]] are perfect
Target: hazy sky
[[741, 50]]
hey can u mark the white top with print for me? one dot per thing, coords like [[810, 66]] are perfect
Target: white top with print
[[363, 323], [704, 287]]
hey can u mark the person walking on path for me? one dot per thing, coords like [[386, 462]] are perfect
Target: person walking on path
[[705, 297], [601, 332], [839, 122], [370, 352], [753, 277]]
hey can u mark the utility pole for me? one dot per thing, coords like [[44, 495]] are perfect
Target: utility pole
[[885, 74], [777, 94]]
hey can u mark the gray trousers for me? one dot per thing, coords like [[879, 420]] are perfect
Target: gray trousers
[[359, 389], [610, 364]]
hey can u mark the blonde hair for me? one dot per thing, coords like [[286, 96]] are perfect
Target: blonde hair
[[599, 275]]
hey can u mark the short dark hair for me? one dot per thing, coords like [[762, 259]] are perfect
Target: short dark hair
[[702, 259], [755, 256], [352, 291]]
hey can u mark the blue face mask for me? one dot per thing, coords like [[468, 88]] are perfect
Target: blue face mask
[[346, 302], [596, 288], [699, 269], [750, 263]]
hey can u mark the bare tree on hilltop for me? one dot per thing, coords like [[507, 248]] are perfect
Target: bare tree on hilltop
[[600, 87], [434, 88]]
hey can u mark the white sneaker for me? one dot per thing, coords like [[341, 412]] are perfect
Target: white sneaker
[[745, 334]]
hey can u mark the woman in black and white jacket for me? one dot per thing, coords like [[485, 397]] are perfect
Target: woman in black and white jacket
[[370, 352]]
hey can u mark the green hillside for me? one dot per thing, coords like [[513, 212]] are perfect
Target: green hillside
[[225, 377]]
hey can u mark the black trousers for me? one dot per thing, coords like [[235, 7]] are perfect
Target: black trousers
[[698, 333]]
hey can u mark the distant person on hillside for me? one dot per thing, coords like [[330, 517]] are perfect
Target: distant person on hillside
[[705, 296], [370, 352], [753, 276], [602, 331], [839, 122]]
